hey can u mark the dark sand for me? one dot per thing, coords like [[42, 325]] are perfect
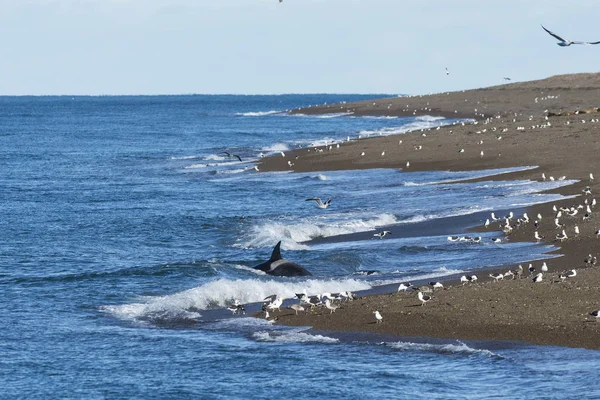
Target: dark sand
[[517, 125]]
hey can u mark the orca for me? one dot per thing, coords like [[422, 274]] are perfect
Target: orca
[[277, 266]]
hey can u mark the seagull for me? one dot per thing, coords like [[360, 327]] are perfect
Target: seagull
[[497, 276], [544, 267], [320, 204], [232, 155], [297, 307], [330, 306], [236, 307], [572, 274], [506, 78], [537, 236], [453, 238], [566, 42], [497, 240], [436, 285], [424, 298], [537, 278], [382, 234], [531, 269], [595, 314], [378, 317], [464, 279], [447, 72], [275, 304], [562, 236], [403, 287]]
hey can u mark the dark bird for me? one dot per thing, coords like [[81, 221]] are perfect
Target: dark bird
[[232, 155], [566, 42]]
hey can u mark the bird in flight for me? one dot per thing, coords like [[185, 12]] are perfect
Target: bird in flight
[[566, 42], [320, 204], [232, 155]]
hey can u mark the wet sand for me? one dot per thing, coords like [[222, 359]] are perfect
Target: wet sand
[[551, 123]]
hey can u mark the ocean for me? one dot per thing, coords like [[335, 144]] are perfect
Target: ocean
[[126, 230]]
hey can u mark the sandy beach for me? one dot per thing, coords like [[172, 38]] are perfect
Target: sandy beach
[[553, 124]]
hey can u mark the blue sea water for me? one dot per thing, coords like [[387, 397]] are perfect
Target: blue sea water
[[126, 230]]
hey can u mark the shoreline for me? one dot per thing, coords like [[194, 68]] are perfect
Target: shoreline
[[516, 125]]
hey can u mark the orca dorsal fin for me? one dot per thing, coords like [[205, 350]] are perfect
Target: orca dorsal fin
[[276, 255]]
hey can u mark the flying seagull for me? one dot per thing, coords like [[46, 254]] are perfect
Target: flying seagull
[[232, 155], [320, 203], [566, 42]]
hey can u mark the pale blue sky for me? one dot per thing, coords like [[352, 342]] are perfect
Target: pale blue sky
[[299, 46]]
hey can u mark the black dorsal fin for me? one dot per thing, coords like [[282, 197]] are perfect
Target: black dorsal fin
[[276, 255]]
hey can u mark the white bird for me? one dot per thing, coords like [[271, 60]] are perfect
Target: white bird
[[464, 279], [487, 223], [572, 273], [595, 314], [378, 317], [320, 203], [403, 287], [275, 304], [436, 285], [330, 306], [576, 229], [591, 176], [447, 72], [566, 42], [297, 307], [544, 267], [382, 234], [497, 240], [407, 164], [562, 236], [537, 278], [424, 298], [497, 276]]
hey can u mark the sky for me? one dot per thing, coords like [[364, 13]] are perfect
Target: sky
[[119, 47]]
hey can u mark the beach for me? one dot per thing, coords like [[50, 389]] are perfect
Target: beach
[[552, 124]]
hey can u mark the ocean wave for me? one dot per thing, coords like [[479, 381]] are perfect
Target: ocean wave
[[257, 113], [436, 273], [429, 118], [292, 337], [185, 157], [293, 235], [276, 147], [460, 348], [221, 292], [322, 116]]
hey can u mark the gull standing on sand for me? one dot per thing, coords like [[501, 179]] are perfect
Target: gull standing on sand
[[537, 278], [378, 317], [320, 204], [403, 287], [330, 306], [424, 298], [566, 42], [297, 307], [497, 276], [595, 314]]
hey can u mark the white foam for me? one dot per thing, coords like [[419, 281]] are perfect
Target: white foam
[[276, 147], [429, 118], [185, 157], [221, 292], [293, 234], [214, 157], [436, 273], [292, 337], [460, 348], [258, 113], [322, 116]]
